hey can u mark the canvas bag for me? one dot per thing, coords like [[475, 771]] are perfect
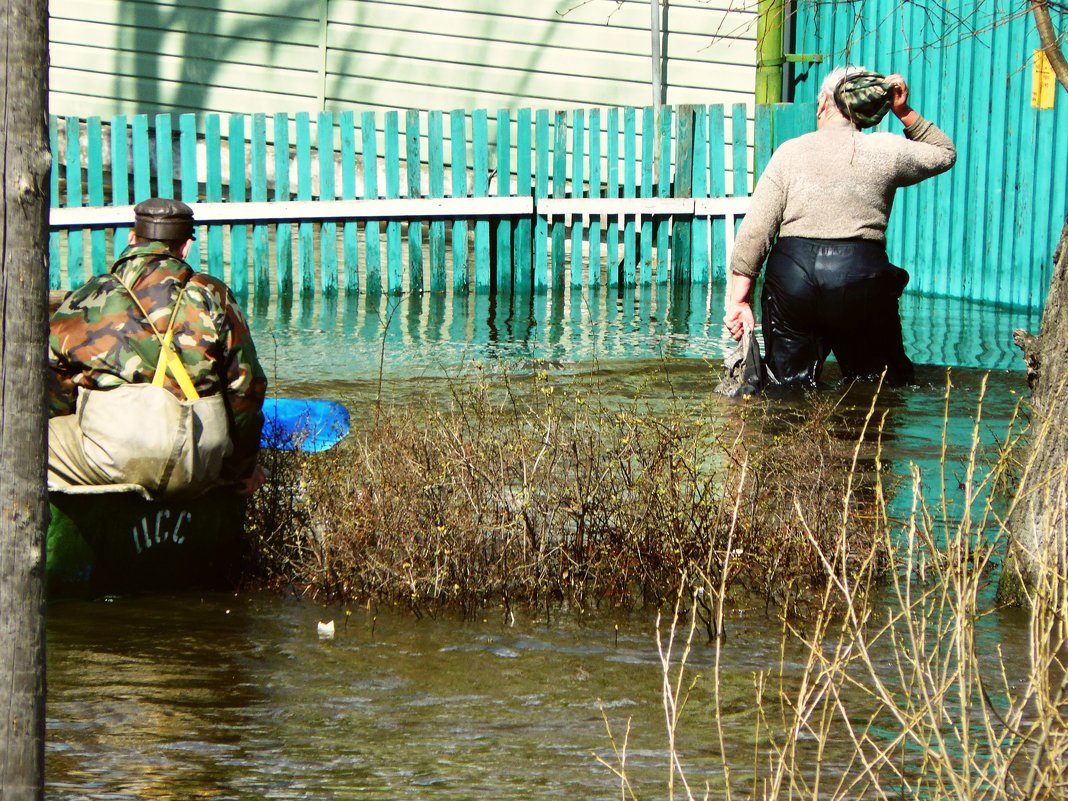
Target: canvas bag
[[745, 373], [143, 434]]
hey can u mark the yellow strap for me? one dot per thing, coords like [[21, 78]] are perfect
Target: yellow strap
[[169, 360]]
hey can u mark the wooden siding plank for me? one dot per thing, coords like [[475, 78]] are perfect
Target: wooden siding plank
[[391, 156], [164, 156], [578, 180], [349, 235], [54, 236], [629, 185], [436, 169], [190, 182], [413, 164], [648, 146], [283, 232], [504, 189], [681, 231], [73, 175], [238, 233], [699, 187], [142, 161], [541, 190], [213, 190], [371, 233], [612, 191], [261, 246], [559, 189], [480, 188], [595, 260], [120, 179], [524, 187], [324, 131], [717, 186], [662, 227], [458, 167], [94, 177], [305, 231]]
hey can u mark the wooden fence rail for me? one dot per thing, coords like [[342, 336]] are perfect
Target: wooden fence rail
[[524, 199]]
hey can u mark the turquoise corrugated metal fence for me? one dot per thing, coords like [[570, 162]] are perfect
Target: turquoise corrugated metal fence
[[525, 199], [985, 230]]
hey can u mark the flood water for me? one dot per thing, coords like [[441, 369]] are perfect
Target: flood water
[[236, 697]]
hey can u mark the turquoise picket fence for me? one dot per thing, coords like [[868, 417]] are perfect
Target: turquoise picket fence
[[419, 200]]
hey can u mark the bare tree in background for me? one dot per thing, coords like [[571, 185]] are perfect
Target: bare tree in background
[[23, 333], [1041, 506]]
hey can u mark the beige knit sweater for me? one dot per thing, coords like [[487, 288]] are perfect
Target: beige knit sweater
[[836, 183]]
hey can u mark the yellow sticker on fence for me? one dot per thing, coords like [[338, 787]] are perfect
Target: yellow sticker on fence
[[1043, 85]]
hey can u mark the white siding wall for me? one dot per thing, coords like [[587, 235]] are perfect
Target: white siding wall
[[149, 56]]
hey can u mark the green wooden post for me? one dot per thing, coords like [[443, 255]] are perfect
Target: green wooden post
[[717, 167], [54, 237], [261, 243], [305, 231], [578, 181], [94, 176], [612, 190], [680, 234], [436, 166], [699, 232], [596, 257], [480, 188], [349, 242], [120, 180], [75, 238], [324, 130], [238, 233], [630, 255], [663, 224], [645, 271], [190, 187], [283, 232], [413, 161], [559, 191], [391, 152], [142, 162], [504, 189], [164, 157], [372, 231], [524, 187], [213, 191], [458, 165]]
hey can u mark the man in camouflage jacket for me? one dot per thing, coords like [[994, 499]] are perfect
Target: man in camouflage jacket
[[100, 339]]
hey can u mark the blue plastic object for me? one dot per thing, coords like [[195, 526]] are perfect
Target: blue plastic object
[[303, 424]]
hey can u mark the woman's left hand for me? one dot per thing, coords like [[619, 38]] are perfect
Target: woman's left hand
[[739, 319]]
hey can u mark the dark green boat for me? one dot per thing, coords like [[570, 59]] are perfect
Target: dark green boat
[[118, 543], [105, 541]]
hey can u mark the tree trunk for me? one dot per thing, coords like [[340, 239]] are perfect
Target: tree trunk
[[25, 161], [1041, 506]]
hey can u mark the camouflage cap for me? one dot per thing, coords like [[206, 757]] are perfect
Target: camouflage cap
[[163, 219], [863, 98]]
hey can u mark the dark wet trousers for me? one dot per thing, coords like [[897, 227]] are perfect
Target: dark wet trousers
[[837, 296]]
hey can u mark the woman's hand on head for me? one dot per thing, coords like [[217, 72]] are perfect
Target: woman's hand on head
[[899, 97]]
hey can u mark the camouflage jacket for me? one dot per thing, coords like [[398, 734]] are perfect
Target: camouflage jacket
[[100, 339]]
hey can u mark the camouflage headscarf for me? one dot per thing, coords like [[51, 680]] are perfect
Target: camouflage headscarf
[[863, 98]]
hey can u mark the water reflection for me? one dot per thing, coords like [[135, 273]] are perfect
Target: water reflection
[[312, 339]]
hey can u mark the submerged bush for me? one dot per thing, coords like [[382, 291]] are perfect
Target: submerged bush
[[538, 491]]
